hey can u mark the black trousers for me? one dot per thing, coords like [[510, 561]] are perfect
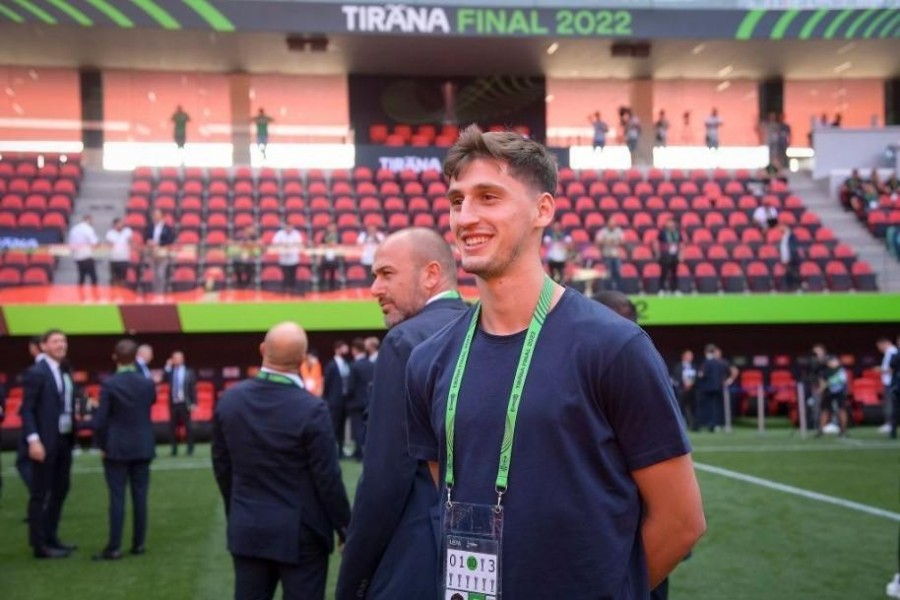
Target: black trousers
[[118, 473], [23, 463], [243, 273], [668, 265], [329, 273], [338, 410], [288, 278], [179, 413], [709, 409], [256, 579], [87, 269], [791, 276], [358, 430], [49, 488], [118, 272]]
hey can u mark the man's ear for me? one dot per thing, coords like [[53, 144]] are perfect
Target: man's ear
[[546, 209]]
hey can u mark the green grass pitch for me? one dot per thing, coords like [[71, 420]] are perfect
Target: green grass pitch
[[761, 543]]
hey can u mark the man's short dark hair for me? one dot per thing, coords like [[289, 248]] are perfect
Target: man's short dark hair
[[618, 303], [883, 340], [358, 345], [50, 333], [34, 340], [125, 351], [338, 344], [528, 161]]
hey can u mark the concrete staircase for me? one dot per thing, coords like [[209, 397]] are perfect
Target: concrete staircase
[[103, 196]]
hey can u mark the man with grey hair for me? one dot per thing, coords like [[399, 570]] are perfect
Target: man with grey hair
[[391, 551]]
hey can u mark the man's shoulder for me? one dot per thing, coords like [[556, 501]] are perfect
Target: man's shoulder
[[425, 323], [444, 337]]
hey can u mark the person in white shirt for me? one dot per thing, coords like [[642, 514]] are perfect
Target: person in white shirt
[[610, 240], [119, 240], [888, 350], [662, 129], [288, 242], [559, 246], [369, 240], [713, 122], [328, 261], [766, 215], [82, 239]]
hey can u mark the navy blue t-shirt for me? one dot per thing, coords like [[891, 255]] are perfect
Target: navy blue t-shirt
[[597, 404]]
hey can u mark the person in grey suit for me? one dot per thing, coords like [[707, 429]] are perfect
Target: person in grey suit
[[275, 460], [125, 437]]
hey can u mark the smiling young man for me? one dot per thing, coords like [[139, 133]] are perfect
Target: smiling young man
[[543, 413]]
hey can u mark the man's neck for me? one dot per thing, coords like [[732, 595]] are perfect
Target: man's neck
[[508, 302], [280, 369]]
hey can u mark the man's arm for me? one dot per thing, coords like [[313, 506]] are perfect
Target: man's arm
[[221, 460], [321, 448], [673, 514], [101, 420], [191, 392], [33, 385]]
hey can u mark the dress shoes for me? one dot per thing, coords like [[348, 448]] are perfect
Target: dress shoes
[[108, 554], [50, 552], [138, 550], [64, 546]]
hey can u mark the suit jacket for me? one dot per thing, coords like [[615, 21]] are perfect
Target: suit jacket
[[275, 461], [190, 385], [143, 369], [122, 424], [167, 236], [677, 376], [362, 371], [391, 549], [333, 385], [42, 405], [795, 258]]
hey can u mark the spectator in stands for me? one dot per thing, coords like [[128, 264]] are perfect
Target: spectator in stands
[[336, 389], [785, 137], [362, 370], [275, 463], [311, 373], [124, 434], [82, 240], [369, 240], [667, 247], [159, 236], [288, 242], [791, 257], [182, 400], [865, 199], [143, 359], [610, 240], [851, 187], [372, 346], [687, 134], [262, 120], [891, 186], [245, 252], [559, 249], [600, 130], [684, 376], [888, 351], [119, 240], [180, 120], [328, 260], [835, 396], [769, 133], [838, 121], [713, 123], [662, 130], [818, 124], [632, 134], [48, 407], [766, 214], [391, 550]]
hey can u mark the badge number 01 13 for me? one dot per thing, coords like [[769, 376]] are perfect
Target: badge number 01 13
[[473, 533]]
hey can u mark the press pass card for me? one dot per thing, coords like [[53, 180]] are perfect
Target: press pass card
[[471, 569]]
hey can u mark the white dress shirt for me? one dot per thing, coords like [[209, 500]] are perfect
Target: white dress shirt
[[120, 242], [289, 250], [82, 240]]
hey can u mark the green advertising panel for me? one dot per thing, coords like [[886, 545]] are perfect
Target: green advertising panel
[[624, 21]]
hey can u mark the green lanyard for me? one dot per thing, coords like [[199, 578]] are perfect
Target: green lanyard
[[448, 295], [512, 409], [126, 369], [276, 378]]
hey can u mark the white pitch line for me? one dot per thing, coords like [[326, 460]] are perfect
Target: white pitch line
[[789, 489], [809, 447]]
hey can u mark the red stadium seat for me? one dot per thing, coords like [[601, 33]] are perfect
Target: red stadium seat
[[863, 277], [812, 277], [650, 273], [706, 280], [733, 279], [10, 277], [758, 277], [838, 277], [35, 276]]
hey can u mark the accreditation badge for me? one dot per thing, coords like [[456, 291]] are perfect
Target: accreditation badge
[[472, 549]]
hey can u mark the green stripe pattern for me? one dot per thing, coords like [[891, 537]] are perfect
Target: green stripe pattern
[[885, 14], [748, 25], [75, 14], [893, 27], [837, 22], [10, 14], [37, 11], [211, 15], [811, 23], [783, 23], [113, 13], [158, 14], [851, 31]]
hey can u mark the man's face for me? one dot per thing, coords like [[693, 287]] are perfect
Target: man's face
[[157, 216], [56, 346], [670, 225], [495, 218], [177, 359], [145, 354], [688, 356], [399, 284], [342, 350]]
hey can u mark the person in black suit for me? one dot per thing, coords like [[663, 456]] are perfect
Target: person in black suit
[[23, 463], [789, 249], [182, 400], [336, 390], [158, 235], [361, 372], [683, 376], [124, 435], [276, 464], [143, 359], [48, 428], [391, 549]]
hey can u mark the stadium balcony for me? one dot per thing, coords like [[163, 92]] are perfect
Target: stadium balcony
[[876, 203]]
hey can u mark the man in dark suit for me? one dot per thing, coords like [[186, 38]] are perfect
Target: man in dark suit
[[125, 437], [391, 549], [336, 390], [182, 399], [362, 370], [143, 359], [23, 463], [158, 235], [789, 250], [683, 376], [276, 464], [48, 426]]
